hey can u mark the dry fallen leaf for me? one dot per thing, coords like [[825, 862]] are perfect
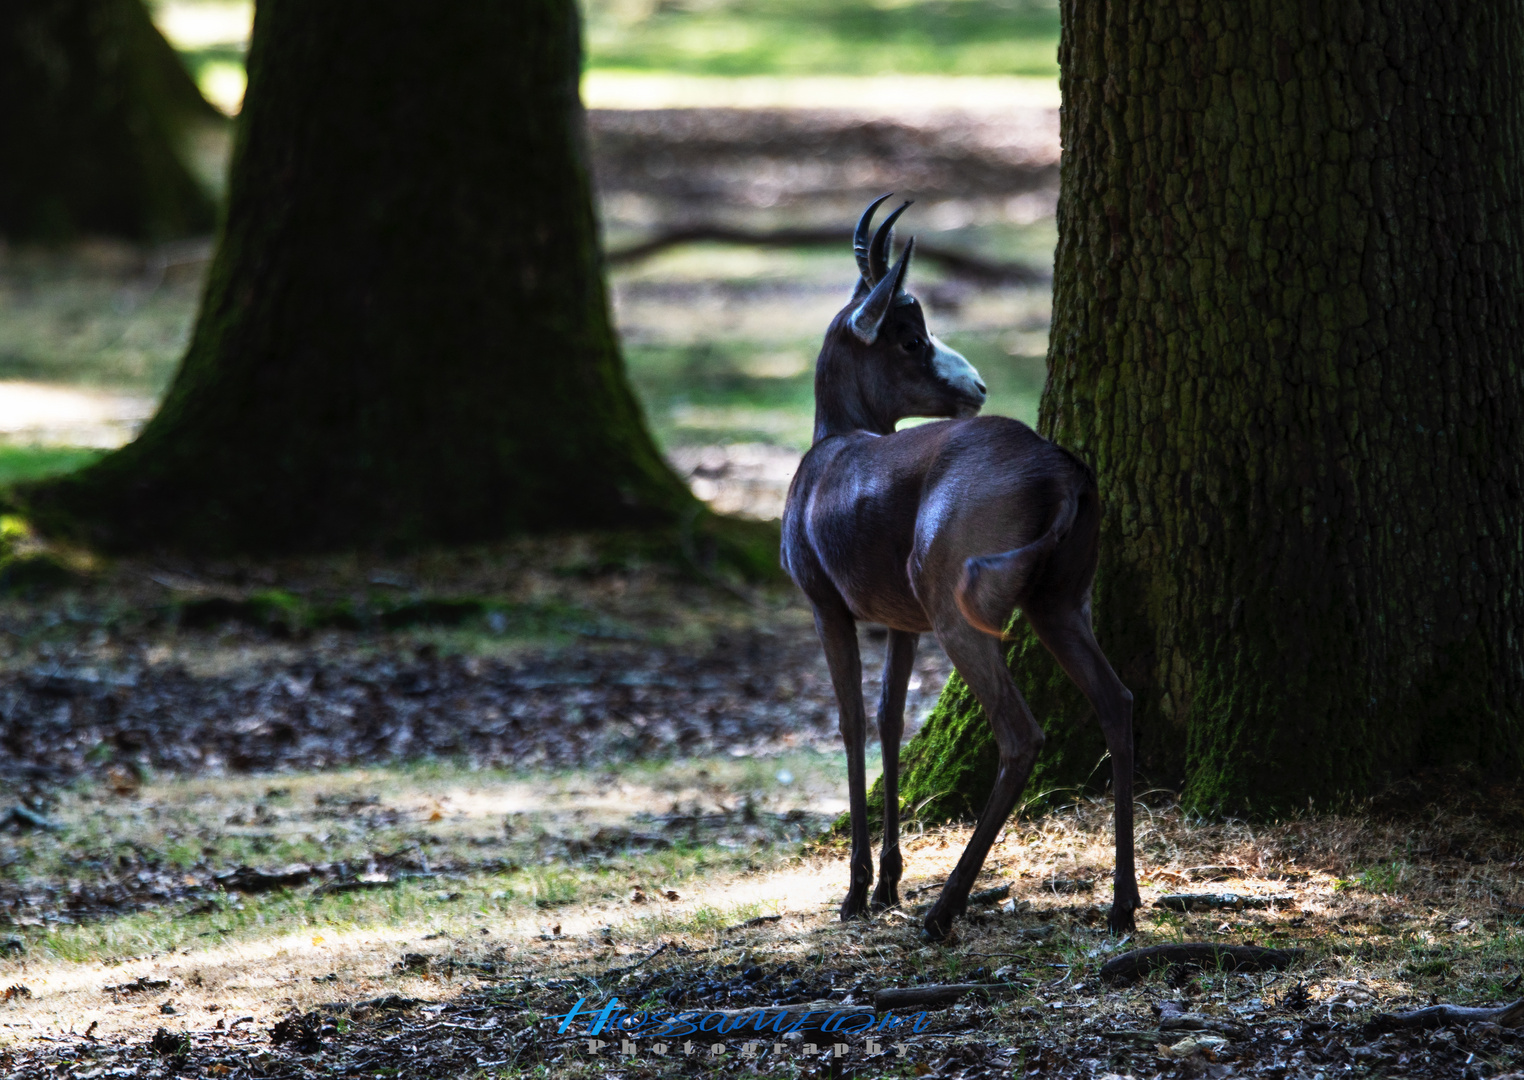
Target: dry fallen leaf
[[123, 780]]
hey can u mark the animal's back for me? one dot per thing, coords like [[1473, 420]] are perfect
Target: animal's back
[[995, 486], [992, 478]]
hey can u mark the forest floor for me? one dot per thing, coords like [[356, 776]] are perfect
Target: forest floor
[[238, 842]]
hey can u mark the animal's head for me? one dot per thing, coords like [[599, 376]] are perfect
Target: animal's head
[[894, 363]]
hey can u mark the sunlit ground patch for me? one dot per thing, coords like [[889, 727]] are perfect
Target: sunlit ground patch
[[463, 882], [241, 892]]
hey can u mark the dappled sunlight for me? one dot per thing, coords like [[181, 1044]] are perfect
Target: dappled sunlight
[[48, 414], [883, 95], [591, 906]]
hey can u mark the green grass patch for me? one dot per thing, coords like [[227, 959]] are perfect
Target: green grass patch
[[286, 615], [1384, 877], [526, 864], [22, 463], [839, 37]]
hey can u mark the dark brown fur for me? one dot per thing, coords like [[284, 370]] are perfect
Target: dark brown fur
[[946, 527]]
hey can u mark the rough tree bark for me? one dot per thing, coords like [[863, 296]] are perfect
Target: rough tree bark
[[95, 114], [1287, 335], [405, 336]]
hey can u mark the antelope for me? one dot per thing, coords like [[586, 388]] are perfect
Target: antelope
[[944, 527]]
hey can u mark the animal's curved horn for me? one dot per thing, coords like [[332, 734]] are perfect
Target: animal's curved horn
[[860, 240], [869, 315], [878, 251]]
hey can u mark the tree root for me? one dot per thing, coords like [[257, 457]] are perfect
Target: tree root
[[1508, 1016], [1138, 962]]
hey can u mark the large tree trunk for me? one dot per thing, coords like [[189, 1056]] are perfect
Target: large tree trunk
[[96, 111], [405, 336], [1287, 334]]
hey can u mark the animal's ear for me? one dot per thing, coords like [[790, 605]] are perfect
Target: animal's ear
[[870, 313]]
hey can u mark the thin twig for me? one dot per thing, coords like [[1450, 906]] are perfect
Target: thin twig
[[663, 947]]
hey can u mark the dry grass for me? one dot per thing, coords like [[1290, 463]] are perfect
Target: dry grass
[[1392, 911], [472, 856]]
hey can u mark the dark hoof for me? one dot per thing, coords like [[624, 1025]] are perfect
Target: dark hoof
[[1121, 920], [853, 908], [937, 927], [884, 899]]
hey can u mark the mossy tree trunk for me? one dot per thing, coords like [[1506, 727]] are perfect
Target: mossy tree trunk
[[96, 112], [1287, 334], [405, 336]]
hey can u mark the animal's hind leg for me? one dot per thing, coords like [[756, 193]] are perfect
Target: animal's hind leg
[[891, 726], [1017, 735], [838, 634], [1068, 636]]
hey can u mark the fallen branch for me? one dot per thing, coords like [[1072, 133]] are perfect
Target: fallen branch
[[983, 896], [1508, 1016], [385, 1003], [1173, 1018], [909, 997], [760, 920], [957, 263], [1131, 965], [989, 896], [250, 879], [24, 818], [359, 884]]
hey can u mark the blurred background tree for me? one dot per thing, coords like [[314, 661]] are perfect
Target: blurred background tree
[[96, 116], [405, 337]]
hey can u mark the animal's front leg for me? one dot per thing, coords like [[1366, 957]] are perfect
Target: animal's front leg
[[891, 726], [838, 633]]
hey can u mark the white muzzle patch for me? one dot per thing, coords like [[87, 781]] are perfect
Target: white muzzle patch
[[953, 369]]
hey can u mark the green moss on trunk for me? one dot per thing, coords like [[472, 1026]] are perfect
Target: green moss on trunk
[[405, 336], [1287, 336], [95, 113], [949, 766]]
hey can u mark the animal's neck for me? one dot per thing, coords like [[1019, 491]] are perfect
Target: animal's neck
[[842, 403]]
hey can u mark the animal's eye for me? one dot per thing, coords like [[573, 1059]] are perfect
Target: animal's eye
[[914, 344]]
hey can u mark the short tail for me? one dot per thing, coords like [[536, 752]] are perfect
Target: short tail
[[993, 586]]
